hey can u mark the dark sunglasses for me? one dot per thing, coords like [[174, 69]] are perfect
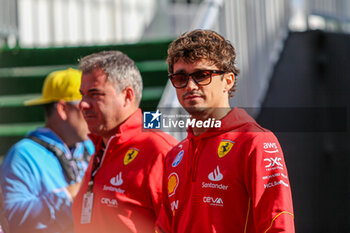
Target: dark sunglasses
[[200, 77]]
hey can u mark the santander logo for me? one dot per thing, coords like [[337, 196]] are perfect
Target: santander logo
[[117, 180], [215, 175]]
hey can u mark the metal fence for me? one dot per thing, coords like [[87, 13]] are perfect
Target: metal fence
[[8, 22], [337, 9], [48, 23], [257, 29], [333, 15]]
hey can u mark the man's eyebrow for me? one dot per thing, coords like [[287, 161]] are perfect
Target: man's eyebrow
[[93, 90], [181, 71], [90, 90]]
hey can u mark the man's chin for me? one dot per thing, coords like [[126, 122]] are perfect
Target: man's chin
[[95, 131], [194, 110]]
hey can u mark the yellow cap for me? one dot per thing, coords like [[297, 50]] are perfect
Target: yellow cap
[[59, 85]]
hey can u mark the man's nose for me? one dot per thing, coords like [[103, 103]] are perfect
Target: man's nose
[[83, 104], [191, 85]]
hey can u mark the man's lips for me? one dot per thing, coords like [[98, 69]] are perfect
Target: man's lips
[[192, 96], [89, 115]]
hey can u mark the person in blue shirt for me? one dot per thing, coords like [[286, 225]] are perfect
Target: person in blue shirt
[[3, 220], [41, 174]]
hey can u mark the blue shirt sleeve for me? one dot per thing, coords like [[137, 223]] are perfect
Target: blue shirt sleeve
[[33, 186]]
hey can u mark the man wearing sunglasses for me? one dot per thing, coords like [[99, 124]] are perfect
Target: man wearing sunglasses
[[227, 179]]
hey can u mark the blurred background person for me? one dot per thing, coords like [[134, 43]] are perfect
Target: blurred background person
[[41, 174], [3, 220]]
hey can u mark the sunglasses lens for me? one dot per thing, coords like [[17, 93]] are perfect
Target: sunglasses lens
[[179, 80], [202, 77]]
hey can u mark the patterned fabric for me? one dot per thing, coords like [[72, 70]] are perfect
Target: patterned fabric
[[34, 184]]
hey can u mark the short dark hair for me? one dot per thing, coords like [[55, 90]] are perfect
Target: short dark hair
[[207, 45], [49, 109]]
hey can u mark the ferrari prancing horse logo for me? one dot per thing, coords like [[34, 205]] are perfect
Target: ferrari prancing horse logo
[[130, 155], [224, 147]]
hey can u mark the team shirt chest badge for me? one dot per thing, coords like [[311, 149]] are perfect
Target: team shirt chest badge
[[130, 155], [224, 147]]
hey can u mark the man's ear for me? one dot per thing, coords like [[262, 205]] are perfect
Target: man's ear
[[229, 79], [62, 108], [129, 96]]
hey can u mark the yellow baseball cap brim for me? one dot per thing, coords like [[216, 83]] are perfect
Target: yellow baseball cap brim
[[38, 101], [59, 85]]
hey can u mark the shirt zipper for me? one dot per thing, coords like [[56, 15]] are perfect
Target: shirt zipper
[[94, 173], [104, 153], [195, 158]]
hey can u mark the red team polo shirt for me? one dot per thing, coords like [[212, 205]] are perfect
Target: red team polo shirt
[[127, 187], [230, 179]]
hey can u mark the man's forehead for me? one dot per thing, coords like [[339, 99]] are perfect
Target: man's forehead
[[94, 77], [97, 72], [93, 80], [182, 64]]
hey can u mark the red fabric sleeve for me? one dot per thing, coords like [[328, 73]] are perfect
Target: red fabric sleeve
[[155, 182], [268, 185], [163, 224]]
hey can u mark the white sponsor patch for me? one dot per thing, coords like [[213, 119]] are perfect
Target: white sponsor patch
[[117, 180], [213, 201], [276, 183], [113, 189], [271, 176], [274, 175], [273, 162], [214, 186], [109, 202], [174, 205], [270, 147], [215, 175]]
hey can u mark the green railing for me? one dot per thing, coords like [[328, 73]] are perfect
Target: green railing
[[22, 72]]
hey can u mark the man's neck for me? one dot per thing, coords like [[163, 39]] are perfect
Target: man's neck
[[105, 140], [116, 129], [62, 135], [217, 114]]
